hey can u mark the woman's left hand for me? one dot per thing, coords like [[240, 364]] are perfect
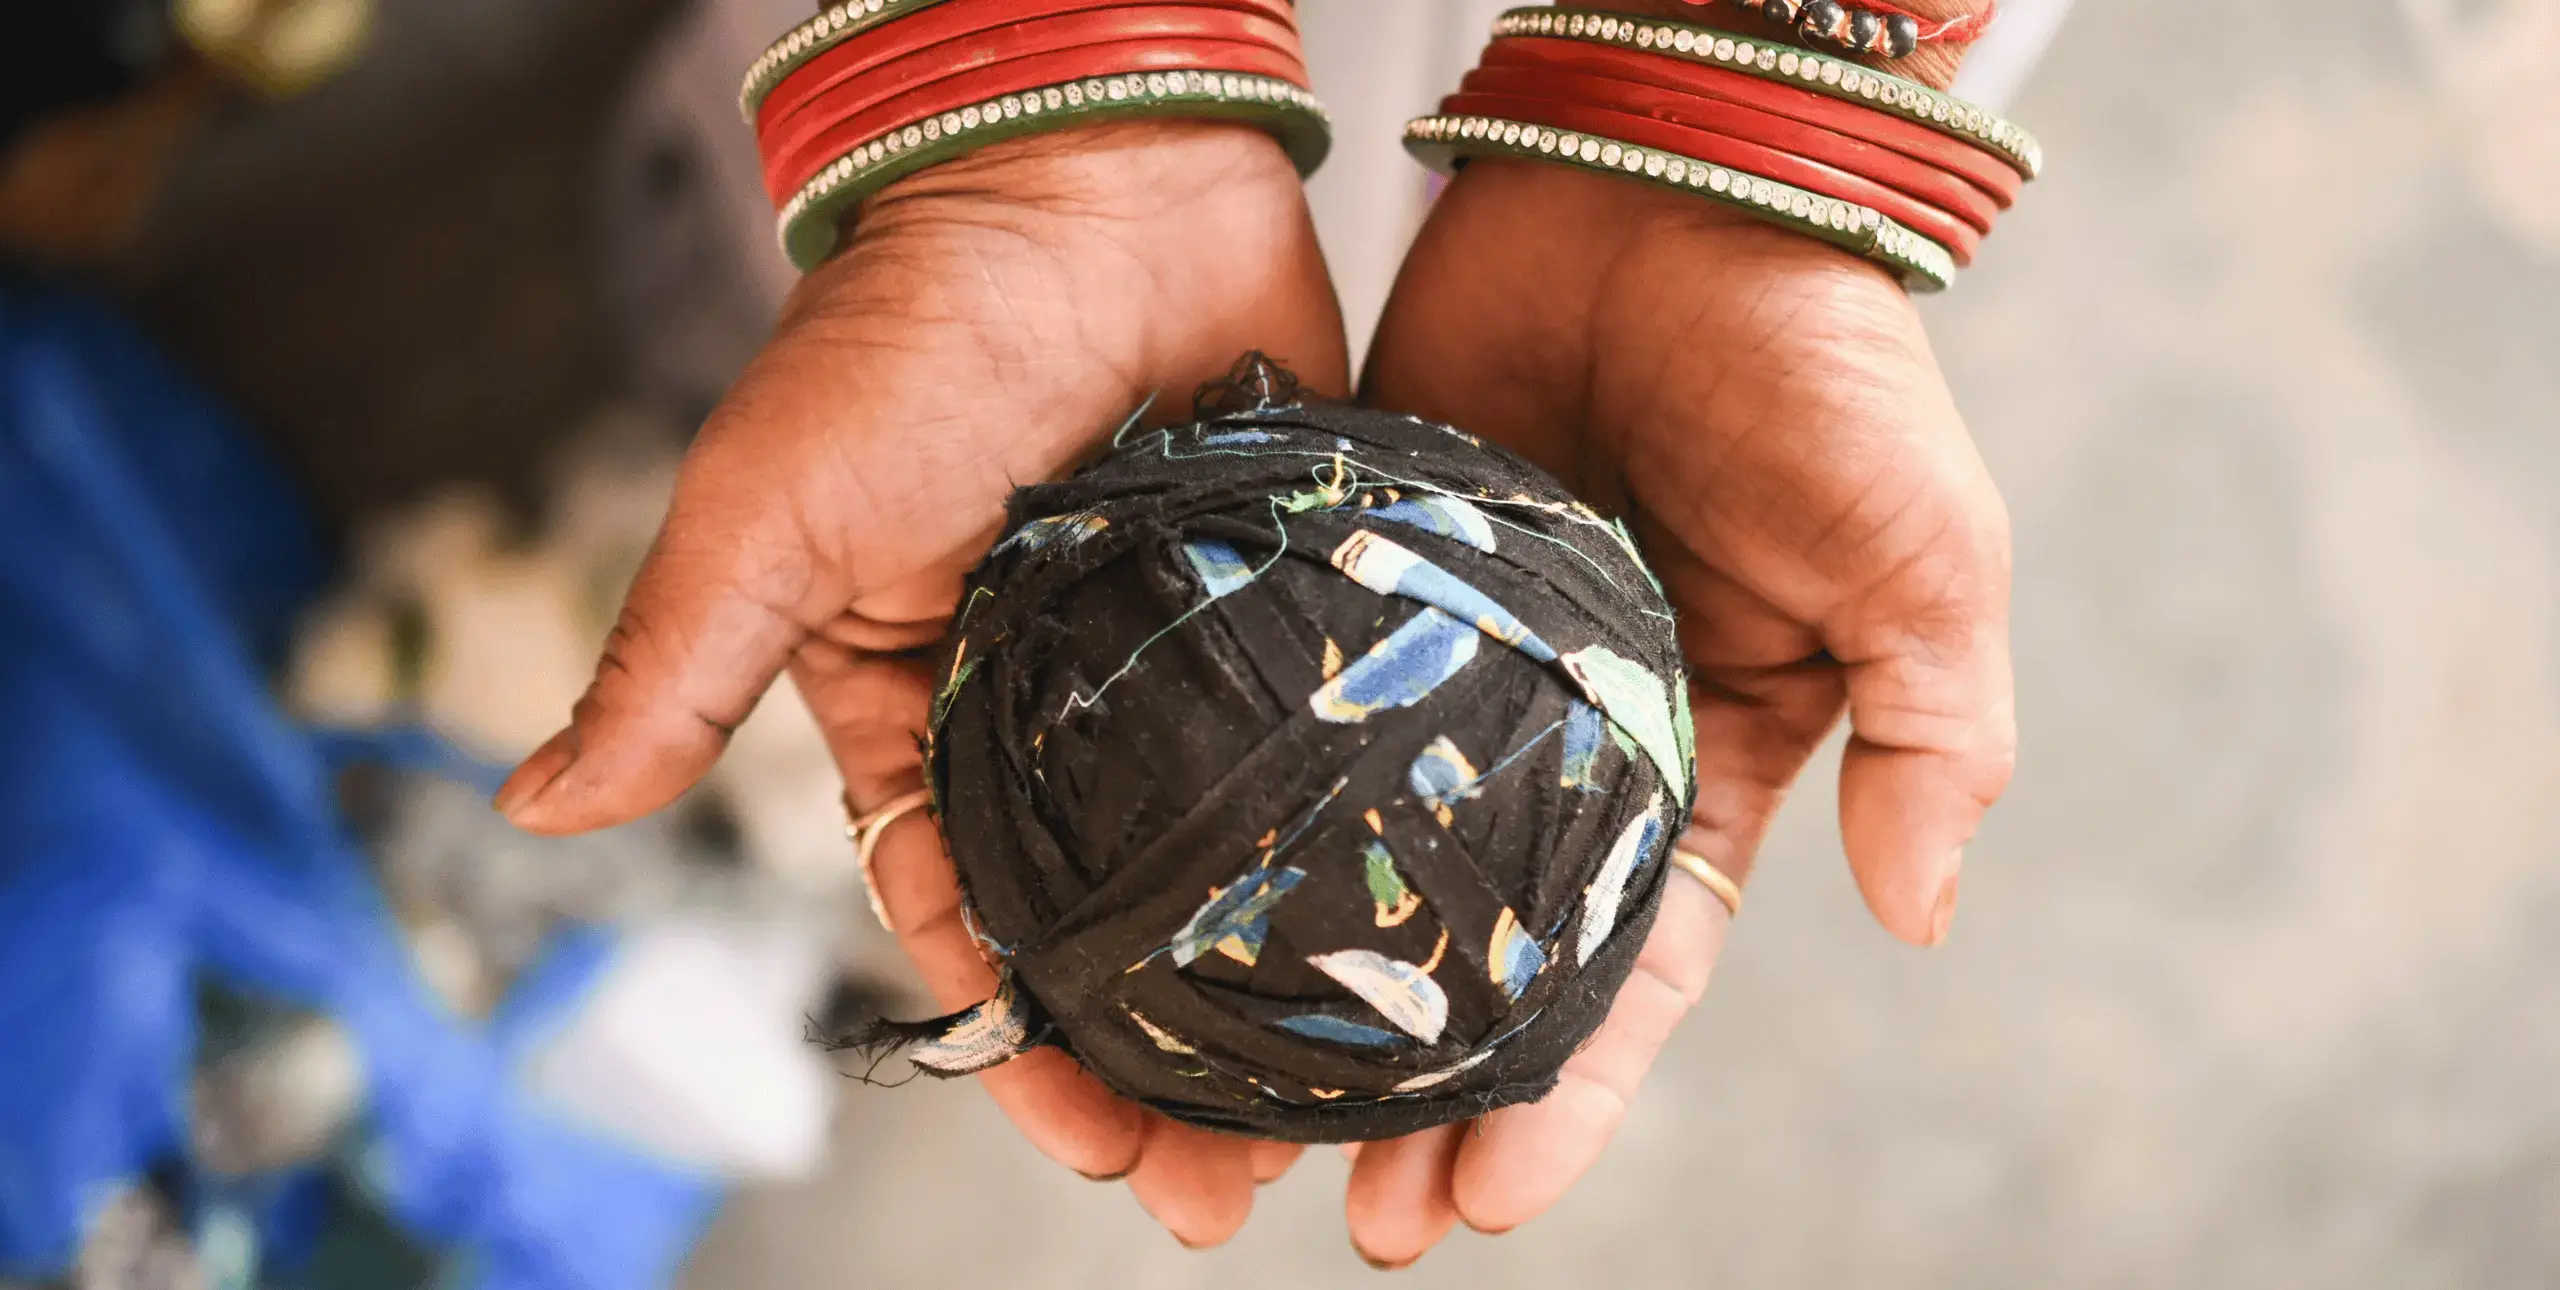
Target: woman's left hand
[[1765, 412]]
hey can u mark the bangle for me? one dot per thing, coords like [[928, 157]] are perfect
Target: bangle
[[871, 91], [1591, 120], [1016, 25], [1440, 140], [1768, 61], [1976, 165], [795, 144], [1914, 179], [809, 218], [987, 87], [839, 23]]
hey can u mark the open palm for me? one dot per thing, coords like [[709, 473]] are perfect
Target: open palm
[[1766, 413], [992, 321]]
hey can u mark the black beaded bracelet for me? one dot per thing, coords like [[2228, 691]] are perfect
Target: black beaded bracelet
[[1885, 33]]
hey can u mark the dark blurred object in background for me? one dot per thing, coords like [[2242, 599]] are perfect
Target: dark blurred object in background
[[72, 53], [97, 96]]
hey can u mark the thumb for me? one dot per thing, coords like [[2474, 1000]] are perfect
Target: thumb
[[719, 606], [1933, 721]]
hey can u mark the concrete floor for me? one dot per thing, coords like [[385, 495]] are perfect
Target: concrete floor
[[2254, 984]]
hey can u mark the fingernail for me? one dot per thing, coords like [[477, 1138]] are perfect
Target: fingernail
[[1943, 915], [1380, 1264], [538, 773]]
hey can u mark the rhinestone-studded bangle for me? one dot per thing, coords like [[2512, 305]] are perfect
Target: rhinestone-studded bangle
[[1613, 121], [839, 23], [827, 107], [1912, 178], [1976, 166], [1442, 141], [1805, 68], [808, 222]]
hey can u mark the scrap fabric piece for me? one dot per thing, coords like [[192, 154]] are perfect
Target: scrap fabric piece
[[1396, 901], [1451, 517], [1379, 564], [1639, 841], [979, 1038], [1221, 570], [1402, 671], [1515, 956], [1237, 918], [1403, 993], [1313, 766]]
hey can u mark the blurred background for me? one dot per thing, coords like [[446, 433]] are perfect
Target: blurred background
[[2253, 984]]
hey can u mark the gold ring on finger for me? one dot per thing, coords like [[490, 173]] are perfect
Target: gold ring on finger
[[1728, 892], [865, 832]]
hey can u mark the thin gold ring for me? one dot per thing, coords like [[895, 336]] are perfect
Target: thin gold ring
[[864, 832], [1691, 863]]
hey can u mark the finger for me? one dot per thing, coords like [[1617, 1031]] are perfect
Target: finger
[[1399, 1204], [1934, 730], [1763, 699], [1197, 1183], [1065, 1112], [1524, 1158], [872, 710], [1272, 1160], [1821, 461], [786, 514], [727, 591]]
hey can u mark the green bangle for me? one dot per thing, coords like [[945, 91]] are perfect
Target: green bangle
[[1441, 142], [809, 221], [840, 23], [1786, 65]]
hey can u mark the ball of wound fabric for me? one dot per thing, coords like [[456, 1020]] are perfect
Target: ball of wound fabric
[[1309, 771]]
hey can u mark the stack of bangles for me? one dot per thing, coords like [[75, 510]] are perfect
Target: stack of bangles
[[871, 91], [1881, 166]]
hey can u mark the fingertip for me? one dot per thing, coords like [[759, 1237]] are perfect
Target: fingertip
[[518, 798], [1069, 1115], [1905, 821], [1272, 1160], [1197, 1183], [608, 767], [1943, 919], [1400, 1202], [1528, 1157]]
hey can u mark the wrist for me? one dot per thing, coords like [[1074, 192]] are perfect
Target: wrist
[[1174, 245], [1932, 65], [1097, 174]]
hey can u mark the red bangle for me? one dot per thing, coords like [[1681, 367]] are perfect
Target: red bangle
[[786, 175], [1959, 238], [786, 144], [1881, 165], [1978, 166], [876, 49]]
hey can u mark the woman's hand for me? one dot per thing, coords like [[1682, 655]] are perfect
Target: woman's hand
[[1765, 412], [992, 322]]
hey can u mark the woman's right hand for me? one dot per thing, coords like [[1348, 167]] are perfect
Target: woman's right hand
[[992, 322]]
